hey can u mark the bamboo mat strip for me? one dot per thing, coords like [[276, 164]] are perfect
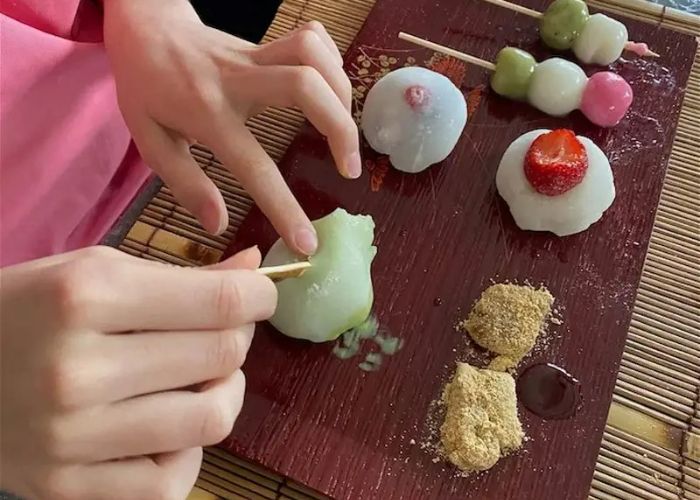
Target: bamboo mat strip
[[651, 446]]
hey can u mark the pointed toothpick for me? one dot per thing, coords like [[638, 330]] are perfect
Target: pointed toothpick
[[516, 8], [278, 273], [447, 51]]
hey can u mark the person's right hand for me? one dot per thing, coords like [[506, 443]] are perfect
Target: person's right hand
[[116, 371], [179, 80]]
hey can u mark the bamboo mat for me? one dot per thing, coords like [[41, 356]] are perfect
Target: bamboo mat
[[651, 446]]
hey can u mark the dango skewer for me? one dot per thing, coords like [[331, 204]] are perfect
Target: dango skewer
[[596, 39], [555, 86]]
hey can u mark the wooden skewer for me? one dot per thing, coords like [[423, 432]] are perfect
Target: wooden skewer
[[279, 273], [517, 8], [631, 46], [447, 51]]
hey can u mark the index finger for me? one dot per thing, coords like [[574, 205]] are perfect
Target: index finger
[[259, 175], [305, 88]]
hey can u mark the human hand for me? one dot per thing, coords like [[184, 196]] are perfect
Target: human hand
[[179, 80], [116, 371]]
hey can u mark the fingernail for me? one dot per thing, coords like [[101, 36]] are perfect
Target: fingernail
[[223, 225], [353, 165], [256, 251], [213, 215], [306, 241]]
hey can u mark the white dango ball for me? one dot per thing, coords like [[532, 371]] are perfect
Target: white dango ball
[[415, 116], [602, 40], [556, 86], [336, 293], [568, 213]]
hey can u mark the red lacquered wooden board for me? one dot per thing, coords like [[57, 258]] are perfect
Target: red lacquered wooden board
[[445, 233]]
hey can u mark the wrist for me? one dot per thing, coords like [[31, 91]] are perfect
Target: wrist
[[141, 20], [145, 12], [160, 6]]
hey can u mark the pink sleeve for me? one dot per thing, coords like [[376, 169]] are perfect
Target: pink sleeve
[[79, 20], [67, 162]]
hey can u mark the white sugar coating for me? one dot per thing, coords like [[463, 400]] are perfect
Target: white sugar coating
[[556, 86], [415, 116], [564, 214], [602, 40]]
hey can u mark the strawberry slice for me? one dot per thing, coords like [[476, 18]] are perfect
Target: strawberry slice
[[556, 162]]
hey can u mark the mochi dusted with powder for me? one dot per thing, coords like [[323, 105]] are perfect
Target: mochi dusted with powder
[[415, 116], [481, 418]]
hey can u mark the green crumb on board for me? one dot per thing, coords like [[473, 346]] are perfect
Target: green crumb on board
[[368, 367], [368, 329], [350, 338], [372, 362], [388, 345], [374, 357], [350, 344], [345, 352]]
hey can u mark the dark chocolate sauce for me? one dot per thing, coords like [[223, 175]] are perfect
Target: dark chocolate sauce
[[549, 392]]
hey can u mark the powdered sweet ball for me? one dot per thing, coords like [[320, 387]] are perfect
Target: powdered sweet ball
[[415, 116]]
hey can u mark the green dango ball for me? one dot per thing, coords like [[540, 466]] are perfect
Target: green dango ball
[[514, 69], [563, 22]]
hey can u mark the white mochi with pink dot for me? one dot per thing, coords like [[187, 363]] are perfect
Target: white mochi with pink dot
[[414, 115]]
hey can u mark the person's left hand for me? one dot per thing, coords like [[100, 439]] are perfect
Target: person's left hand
[[180, 81]]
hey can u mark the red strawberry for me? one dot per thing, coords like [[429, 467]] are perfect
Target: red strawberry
[[556, 162]]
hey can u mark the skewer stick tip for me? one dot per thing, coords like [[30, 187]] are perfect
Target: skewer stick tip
[[279, 273], [517, 8], [641, 49], [447, 51]]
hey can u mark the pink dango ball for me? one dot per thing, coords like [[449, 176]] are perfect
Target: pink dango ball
[[606, 98]]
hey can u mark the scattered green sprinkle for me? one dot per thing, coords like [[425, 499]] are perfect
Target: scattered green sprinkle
[[350, 344], [345, 352], [349, 338], [374, 358], [368, 329], [389, 345], [372, 362], [368, 367]]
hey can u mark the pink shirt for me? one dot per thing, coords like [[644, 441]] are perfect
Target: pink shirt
[[68, 166]]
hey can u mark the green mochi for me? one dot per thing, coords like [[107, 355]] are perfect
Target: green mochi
[[336, 293], [514, 68], [563, 22]]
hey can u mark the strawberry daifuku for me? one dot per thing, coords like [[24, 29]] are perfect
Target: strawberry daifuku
[[555, 181]]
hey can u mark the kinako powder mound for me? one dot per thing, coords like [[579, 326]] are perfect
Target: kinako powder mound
[[481, 418], [481, 415], [507, 319]]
